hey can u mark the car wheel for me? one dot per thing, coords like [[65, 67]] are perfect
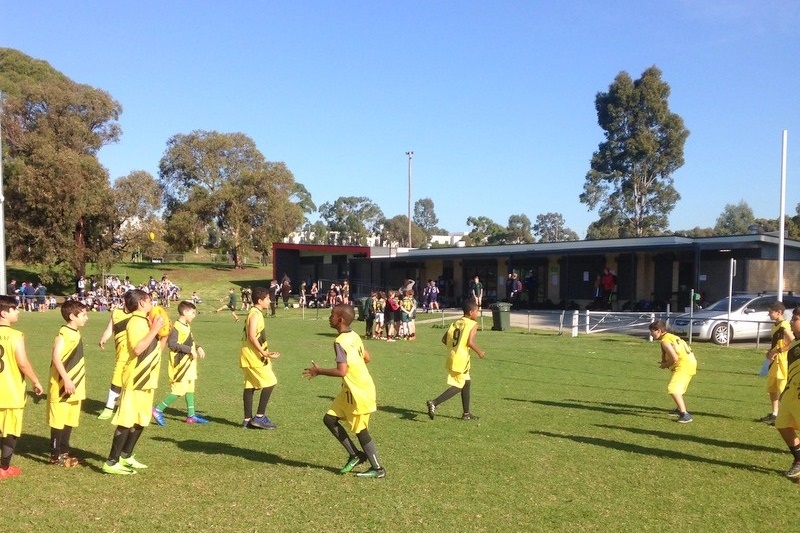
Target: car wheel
[[719, 335]]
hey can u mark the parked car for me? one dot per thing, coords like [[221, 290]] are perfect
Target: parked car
[[749, 318]]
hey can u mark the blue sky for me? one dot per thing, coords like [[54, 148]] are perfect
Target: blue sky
[[495, 98]]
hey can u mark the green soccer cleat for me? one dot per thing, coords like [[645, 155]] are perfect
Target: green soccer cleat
[[105, 414], [353, 462], [118, 468], [372, 472], [130, 462]]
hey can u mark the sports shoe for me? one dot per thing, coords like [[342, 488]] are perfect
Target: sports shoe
[[196, 419], [262, 422], [769, 419], [353, 462], [468, 416], [794, 471], [685, 418], [130, 462], [65, 460], [105, 414], [372, 472], [431, 409], [118, 468], [11, 471], [675, 412], [159, 417]]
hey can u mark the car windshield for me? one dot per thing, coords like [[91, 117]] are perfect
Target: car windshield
[[736, 303]]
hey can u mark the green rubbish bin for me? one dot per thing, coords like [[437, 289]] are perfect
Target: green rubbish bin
[[501, 316]]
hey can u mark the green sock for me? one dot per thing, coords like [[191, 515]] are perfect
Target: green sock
[[190, 404], [166, 403]]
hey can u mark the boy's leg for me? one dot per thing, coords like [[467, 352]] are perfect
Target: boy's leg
[[66, 435], [446, 395], [678, 399], [368, 445], [333, 425], [55, 443], [167, 402], [189, 404], [266, 392], [247, 400], [465, 396], [130, 443], [117, 443], [789, 436], [9, 442]]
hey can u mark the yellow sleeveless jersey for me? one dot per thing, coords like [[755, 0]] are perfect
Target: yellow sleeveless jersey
[[182, 367], [779, 342], [686, 359], [458, 351], [357, 384], [119, 323], [12, 382], [74, 364], [249, 356], [141, 372]]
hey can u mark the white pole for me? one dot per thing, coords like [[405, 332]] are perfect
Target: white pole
[[783, 213], [410, 155]]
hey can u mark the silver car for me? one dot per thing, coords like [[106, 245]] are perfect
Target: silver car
[[749, 319]]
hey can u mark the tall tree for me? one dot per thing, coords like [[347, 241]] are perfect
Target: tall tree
[[226, 181], [353, 218], [137, 196], [484, 231], [425, 216], [631, 172], [735, 219], [395, 231], [518, 230], [57, 194], [549, 227]]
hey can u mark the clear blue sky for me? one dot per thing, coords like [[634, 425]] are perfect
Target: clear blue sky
[[495, 98]]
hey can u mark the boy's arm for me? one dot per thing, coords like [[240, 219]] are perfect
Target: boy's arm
[[668, 355], [444, 339], [144, 343], [367, 357], [25, 366], [58, 349], [174, 345], [313, 371], [474, 345], [107, 334], [252, 335]]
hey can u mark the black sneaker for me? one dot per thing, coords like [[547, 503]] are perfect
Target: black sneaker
[[468, 416], [431, 409], [794, 471], [685, 418], [769, 419]]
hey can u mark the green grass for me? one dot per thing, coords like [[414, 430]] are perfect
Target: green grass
[[574, 435]]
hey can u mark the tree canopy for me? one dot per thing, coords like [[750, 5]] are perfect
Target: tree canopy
[[57, 194], [549, 227], [630, 179], [354, 218]]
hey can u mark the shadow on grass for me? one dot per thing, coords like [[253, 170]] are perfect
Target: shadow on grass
[[405, 414], [610, 408], [37, 448], [654, 452], [654, 409], [572, 370], [694, 438], [224, 448]]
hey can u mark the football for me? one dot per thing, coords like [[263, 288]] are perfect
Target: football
[[160, 311]]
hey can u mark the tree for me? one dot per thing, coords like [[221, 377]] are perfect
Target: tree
[[735, 219], [57, 194], [484, 231], [518, 230], [226, 181], [549, 227], [354, 218], [136, 198], [425, 216], [316, 233], [631, 172], [395, 231]]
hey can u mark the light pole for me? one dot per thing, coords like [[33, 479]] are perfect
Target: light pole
[[410, 155]]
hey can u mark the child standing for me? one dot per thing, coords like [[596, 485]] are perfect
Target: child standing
[[117, 325], [459, 339], [255, 362], [14, 368], [369, 313], [380, 307], [357, 398], [788, 421], [139, 381], [676, 356], [776, 375], [183, 355], [67, 383], [408, 309]]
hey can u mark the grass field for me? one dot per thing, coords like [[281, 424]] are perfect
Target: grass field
[[574, 435]]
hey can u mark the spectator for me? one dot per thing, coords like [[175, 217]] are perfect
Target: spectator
[[286, 290], [608, 285]]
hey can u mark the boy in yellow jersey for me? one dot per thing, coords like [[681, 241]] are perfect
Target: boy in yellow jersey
[[676, 356], [409, 309], [67, 383], [255, 362], [183, 355], [116, 328], [356, 400], [782, 337], [459, 339], [788, 421], [139, 381], [14, 368]]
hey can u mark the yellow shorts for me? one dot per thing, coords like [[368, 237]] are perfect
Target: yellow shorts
[[180, 388], [60, 414], [135, 407], [357, 423], [259, 377], [116, 377], [679, 382], [457, 379], [11, 421], [776, 379], [789, 407]]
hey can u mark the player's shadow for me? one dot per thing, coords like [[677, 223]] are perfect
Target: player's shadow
[[37, 449], [405, 414], [654, 452], [694, 438], [611, 408], [224, 448], [176, 415], [92, 407]]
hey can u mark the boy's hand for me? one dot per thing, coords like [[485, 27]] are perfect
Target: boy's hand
[[312, 371], [270, 355], [158, 323], [37, 388], [69, 386], [200, 352]]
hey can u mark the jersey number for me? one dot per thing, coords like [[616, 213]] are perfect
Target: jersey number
[[2, 363], [456, 337]]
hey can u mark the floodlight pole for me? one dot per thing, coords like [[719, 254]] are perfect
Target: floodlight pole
[[410, 155], [782, 223]]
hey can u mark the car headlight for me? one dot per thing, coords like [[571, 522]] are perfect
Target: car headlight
[[700, 322]]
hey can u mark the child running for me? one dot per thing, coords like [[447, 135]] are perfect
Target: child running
[[356, 400], [14, 368], [67, 383], [183, 355], [459, 339]]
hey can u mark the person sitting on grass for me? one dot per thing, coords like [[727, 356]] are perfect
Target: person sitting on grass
[[357, 398]]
